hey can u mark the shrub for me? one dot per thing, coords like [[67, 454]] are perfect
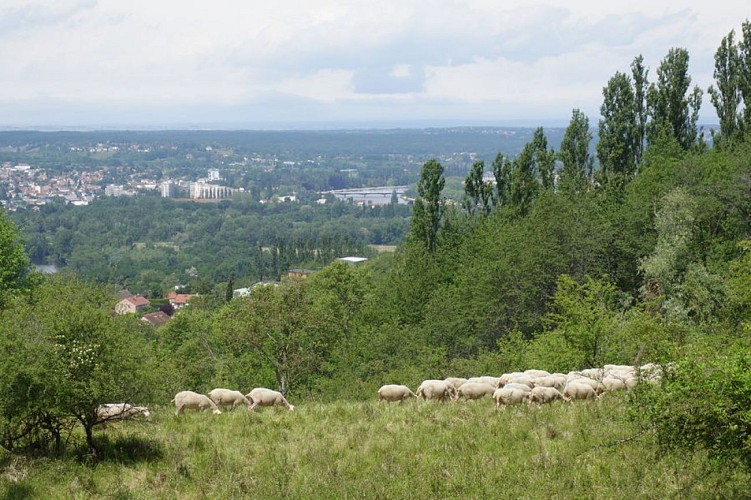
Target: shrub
[[703, 402]]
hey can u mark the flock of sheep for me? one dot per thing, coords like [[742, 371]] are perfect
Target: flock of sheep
[[532, 386], [189, 400]]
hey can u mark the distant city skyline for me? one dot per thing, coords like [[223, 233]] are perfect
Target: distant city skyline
[[229, 64]]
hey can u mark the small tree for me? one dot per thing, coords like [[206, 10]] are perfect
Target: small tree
[[65, 354], [583, 317], [283, 326]]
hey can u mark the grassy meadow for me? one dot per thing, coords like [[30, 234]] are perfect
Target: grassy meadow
[[362, 450]]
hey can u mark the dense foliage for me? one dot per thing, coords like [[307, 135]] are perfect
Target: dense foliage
[[150, 244]]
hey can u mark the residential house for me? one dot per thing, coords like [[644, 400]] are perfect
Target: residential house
[[179, 300], [132, 304], [156, 319]]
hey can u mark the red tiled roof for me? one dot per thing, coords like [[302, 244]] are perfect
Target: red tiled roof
[[138, 300], [180, 298], [156, 318]]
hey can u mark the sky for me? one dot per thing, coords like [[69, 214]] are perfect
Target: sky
[[336, 63]]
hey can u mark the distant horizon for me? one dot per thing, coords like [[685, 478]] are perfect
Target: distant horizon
[[324, 64], [282, 126], [306, 126]]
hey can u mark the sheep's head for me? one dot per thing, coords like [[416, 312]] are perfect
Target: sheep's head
[[291, 408]]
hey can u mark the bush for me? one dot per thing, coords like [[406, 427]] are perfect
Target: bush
[[703, 402]]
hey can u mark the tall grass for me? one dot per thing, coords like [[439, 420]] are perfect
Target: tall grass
[[355, 450]]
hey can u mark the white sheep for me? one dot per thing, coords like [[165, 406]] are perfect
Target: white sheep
[[509, 396], [522, 379], [485, 379], [576, 390], [456, 382], [261, 396], [614, 384], [506, 378], [519, 387], [594, 373], [227, 397], [544, 395], [110, 412], [394, 392], [594, 384], [557, 381], [189, 400], [475, 390], [436, 389]]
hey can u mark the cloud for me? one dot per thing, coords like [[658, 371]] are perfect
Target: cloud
[[433, 57]]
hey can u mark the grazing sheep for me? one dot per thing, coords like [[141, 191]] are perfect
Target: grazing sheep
[[110, 412], [474, 390], [575, 390], [557, 381], [594, 384], [266, 397], [506, 396], [226, 397], [520, 387], [456, 382], [506, 378], [543, 395], [593, 373], [613, 384], [189, 400], [522, 379], [394, 392], [619, 368], [485, 379], [536, 373], [436, 389]]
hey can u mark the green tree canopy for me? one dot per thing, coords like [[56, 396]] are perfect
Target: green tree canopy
[[14, 263]]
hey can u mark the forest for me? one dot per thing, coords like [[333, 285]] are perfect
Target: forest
[[149, 244], [638, 253]]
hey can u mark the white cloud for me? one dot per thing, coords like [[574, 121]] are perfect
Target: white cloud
[[432, 58]]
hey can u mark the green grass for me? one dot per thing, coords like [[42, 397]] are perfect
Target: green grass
[[356, 450]]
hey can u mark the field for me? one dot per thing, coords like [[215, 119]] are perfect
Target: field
[[363, 450]]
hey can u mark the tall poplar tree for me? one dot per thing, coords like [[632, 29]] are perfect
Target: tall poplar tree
[[641, 86], [428, 209], [671, 109], [726, 97], [544, 159], [531, 171], [615, 147], [744, 74], [478, 193], [502, 170], [574, 153]]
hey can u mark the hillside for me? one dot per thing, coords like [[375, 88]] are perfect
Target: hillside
[[363, 450]]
